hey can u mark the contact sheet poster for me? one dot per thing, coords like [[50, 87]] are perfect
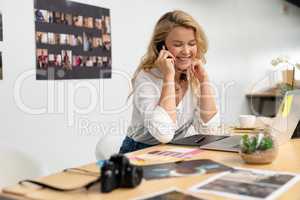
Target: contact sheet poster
[[1, 76], [73, 40], [1, 39], [1, 31]]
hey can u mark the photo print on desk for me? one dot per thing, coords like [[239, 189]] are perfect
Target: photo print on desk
[[248, 184], [183, 168], [73, 40]]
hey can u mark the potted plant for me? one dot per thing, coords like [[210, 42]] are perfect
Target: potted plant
[[288, 75], [258, 149]]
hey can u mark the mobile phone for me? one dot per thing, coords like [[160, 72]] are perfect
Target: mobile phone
[[159, 46]]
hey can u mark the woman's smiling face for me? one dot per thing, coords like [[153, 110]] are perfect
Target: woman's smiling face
[[181, 42]]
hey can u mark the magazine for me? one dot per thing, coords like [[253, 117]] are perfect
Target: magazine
[[248, 184], [183, 168]]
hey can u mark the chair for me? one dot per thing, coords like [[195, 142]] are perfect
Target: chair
[[16, 165], [108, 145]]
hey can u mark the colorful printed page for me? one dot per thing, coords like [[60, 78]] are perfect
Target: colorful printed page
[[165, 155]]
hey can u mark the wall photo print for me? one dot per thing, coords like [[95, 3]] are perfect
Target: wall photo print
[[1, 76], [1, 29], [73, 40]]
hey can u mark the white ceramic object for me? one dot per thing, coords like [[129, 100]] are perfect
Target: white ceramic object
[[247, 121]]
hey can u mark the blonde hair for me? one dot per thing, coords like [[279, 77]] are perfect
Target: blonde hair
[[162, 28]]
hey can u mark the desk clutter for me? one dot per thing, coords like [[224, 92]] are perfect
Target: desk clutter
[[121, 171]]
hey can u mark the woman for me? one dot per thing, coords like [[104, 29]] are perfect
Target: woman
[[172, 95]]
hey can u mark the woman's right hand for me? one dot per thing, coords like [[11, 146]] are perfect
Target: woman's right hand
[[165, 63]]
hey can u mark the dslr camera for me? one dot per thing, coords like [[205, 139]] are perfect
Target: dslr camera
[[118, 172]]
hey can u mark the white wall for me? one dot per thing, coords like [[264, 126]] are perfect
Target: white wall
[[244, 36]]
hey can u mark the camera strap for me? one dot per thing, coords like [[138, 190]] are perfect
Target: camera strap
[[60, 189]]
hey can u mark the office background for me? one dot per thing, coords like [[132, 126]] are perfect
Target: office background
[[59, 122]]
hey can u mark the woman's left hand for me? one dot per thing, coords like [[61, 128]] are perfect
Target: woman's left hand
[[198, 70]]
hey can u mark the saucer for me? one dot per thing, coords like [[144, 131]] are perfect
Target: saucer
[[244, 128], [237, 129]]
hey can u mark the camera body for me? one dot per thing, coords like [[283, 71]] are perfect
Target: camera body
[[118, 172]]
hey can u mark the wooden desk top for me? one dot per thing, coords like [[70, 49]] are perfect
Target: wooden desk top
[[272, 92], [288, 160]]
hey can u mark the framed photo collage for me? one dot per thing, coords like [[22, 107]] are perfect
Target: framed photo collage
[[73, 40], [1, 40]]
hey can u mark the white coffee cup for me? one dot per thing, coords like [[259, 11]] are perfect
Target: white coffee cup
[[247, 121]]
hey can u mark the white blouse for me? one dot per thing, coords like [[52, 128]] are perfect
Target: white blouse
[[151, 124]]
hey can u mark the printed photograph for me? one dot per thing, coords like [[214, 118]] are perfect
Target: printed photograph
[[42, 37], [77, 61], [63, 39], [89, 61], [247, 184], [57, 38], [41, 16], [79, 40], [63, 19], [99, 61], [84, 59], [54, 60], [51, 17], [98, 23], [87, 42], [106, 62], [78, 20], [57, 17], [51, 39], [51, 59], [69, 19], [88, 22], [106, 41], [42, 58], [57, 60], [107, 24], [72, 40], [97, 42], [66, 59]]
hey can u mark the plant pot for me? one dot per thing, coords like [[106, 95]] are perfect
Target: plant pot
[[260, 157]]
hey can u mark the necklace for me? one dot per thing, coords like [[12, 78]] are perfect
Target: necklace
[[177, 87]]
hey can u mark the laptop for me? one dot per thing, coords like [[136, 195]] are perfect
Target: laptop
[[283, 125]]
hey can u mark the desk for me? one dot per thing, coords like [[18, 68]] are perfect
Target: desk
[[288, 160]]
